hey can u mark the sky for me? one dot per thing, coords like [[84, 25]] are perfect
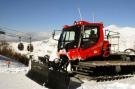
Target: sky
[[47, 15]]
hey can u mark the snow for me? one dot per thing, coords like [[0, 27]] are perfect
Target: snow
[[116, 84], [17, 81], [14, 66], [14, 76], [127, 83], [41, 48], [127, 36], [13, 70]]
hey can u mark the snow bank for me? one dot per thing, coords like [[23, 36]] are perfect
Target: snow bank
[[14, 70], [13, 67], [41, 48], [116, 84], [13, 76], [127, 37]]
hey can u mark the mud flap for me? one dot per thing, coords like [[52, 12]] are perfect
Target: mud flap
[[58, 80]]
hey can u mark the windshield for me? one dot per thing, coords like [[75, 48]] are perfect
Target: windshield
[[69, 37]]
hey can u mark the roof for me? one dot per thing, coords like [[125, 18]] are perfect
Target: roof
[[80, 23]]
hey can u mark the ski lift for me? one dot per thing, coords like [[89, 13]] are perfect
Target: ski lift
[[2, 32], [20, 45], [30, 47]]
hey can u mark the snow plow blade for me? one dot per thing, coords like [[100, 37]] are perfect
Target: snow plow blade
[[58, 80], [52, 79], [38, 73]]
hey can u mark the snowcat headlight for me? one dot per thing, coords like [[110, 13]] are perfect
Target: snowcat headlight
[[63, 51], [56, 60]]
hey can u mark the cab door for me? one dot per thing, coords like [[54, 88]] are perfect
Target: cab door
[[89, 42]]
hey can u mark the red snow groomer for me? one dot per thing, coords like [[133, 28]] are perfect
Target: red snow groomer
[[83, 40], [85, 47]]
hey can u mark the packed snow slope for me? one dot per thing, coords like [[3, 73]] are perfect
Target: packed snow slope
[[116, 84], [15, 79], [41, 48], [13, 67], [13, 76], [127, 37]]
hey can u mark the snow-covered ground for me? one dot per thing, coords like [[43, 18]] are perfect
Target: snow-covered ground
[[17, 81], [13, 67], [14, 78], [116, 84], [127, 37], [41, 48]]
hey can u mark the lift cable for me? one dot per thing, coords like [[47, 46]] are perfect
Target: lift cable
[[18, 34]]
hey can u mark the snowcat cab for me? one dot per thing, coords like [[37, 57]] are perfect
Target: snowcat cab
[[82, 41]]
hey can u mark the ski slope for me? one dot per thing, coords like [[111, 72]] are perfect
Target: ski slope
[[116, 84], [49, 46], [16, 79], [127, 37], [13, 77], [14, 66]]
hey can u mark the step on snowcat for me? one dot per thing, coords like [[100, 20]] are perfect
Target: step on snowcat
[[83, 48]]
